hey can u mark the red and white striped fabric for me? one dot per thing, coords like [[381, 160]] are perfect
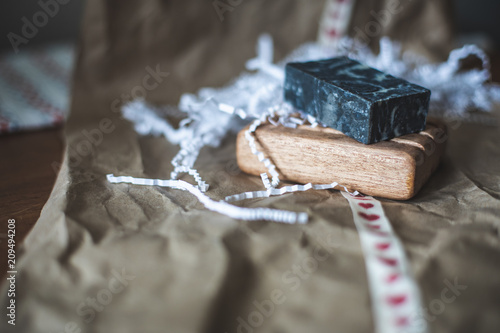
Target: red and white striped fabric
[[34, 88]]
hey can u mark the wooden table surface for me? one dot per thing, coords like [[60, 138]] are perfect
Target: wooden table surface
[[28, 175], [27, 180]]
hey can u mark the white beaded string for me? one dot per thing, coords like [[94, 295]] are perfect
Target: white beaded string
[[285, 189], [260, 155], [222, 207], [286, 120]]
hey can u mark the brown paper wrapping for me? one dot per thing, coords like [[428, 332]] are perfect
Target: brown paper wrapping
[[424, 27], [162, 263]]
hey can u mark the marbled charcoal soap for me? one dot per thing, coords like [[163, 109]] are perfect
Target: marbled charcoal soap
[[360, 101]]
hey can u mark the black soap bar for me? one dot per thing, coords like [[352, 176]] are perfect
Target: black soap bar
[[362, 102]]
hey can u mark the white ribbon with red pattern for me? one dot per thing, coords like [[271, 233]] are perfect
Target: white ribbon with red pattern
[[335, 22], [394, 293]]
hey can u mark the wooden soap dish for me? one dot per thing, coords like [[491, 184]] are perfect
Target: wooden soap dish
[[394, 169]]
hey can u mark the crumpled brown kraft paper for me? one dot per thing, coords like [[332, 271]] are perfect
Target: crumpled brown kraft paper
[[424, 27], [118, 258]]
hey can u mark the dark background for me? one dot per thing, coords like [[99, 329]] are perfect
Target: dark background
[[471, 16], [64, 26]]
